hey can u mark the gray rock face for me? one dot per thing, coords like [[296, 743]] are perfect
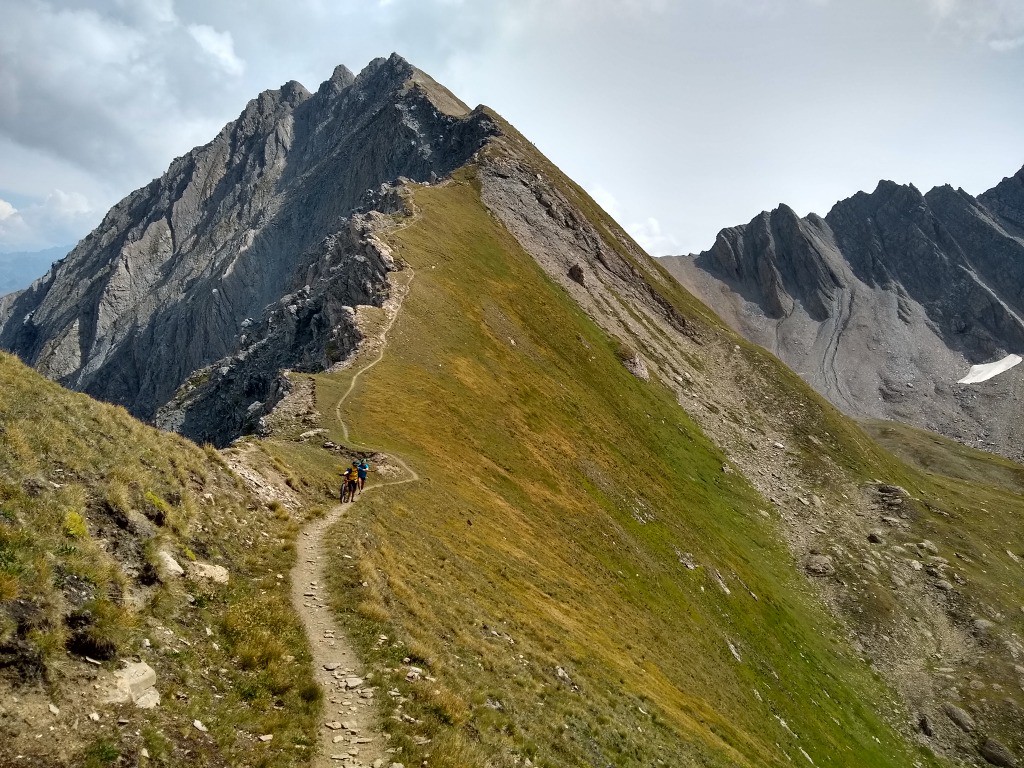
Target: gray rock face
[[996, 754], [305, 330], [884, 303], [962, 720], [247, 239], [820, 565]]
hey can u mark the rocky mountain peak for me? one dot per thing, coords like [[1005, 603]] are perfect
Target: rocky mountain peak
[[784, 211], [265, 111], [885, 301], [293, 92], [183, 272], [340, 79], [393, 69], [1006, 200], [886, 195]]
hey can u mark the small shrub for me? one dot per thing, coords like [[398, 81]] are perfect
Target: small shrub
[[74, 526], [67, 549], [259, 650], [419, 653], [374, 611], [90, 643], [213, 455], [47, 643], [249, 689], [279, 510], [624, 351], [280, 678], [100, 629], [101, 752], [449, 706], [310, 692]]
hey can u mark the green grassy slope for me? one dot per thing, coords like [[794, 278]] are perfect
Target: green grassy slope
[[971, 503], [559, 500], [88, 497], [939, 455], [919, 625]]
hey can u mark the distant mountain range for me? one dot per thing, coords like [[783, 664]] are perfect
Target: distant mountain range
[[18, 270], [885, 302]]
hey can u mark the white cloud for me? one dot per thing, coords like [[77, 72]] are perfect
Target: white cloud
[[997, 23], [1004, 44], [606, 200], [649, 234], [149, 12], [59, 219], [220, 46], [15, 234], [696, 112], [112, 87], [67, 204]]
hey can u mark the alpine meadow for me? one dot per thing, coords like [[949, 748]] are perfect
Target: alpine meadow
[[600, 527]]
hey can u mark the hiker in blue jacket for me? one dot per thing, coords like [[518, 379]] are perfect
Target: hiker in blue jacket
[[361, 470]]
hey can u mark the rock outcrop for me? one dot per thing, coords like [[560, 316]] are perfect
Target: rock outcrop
[[884, 303], [246, 255]]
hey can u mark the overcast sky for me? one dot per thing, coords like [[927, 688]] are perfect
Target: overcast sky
[[680, 117]]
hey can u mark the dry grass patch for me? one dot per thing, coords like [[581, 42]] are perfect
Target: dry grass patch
[[88, 499]]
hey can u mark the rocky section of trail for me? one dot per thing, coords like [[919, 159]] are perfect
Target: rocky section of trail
[[885, 302], [349, 733]]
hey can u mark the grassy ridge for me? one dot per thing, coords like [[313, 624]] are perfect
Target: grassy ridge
[[968, 503], [933, 453], [88, 498], [560, 496]]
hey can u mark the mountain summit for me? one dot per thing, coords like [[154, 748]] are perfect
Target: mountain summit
[[249, 246], [885, 302]]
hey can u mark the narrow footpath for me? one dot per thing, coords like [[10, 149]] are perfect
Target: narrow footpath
[[348, 732]]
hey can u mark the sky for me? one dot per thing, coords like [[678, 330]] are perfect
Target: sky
[[679, 117]]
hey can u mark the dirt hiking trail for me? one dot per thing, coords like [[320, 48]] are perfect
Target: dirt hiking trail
[[348, 732]]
